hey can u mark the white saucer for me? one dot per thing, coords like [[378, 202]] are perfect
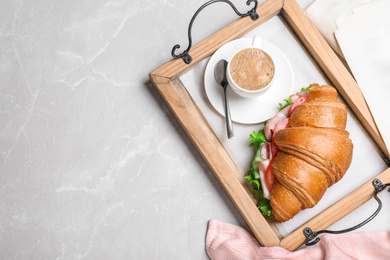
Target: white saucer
[[250, 110]]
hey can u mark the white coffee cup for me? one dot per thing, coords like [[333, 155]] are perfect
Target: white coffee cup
[[255, 75]]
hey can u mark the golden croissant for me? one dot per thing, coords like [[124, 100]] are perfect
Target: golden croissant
[[310, 151], [314, 153]]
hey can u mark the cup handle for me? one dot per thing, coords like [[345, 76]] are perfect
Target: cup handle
[[257, 41]]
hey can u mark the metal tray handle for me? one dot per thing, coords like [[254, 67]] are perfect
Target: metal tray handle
[[312, 236], [184, 55]]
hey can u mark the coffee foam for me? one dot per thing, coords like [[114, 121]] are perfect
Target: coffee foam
[[251, 69]]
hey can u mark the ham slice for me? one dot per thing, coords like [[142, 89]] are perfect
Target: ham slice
[[270, 126], [265, 151]]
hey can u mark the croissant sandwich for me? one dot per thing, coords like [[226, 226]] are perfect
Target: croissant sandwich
[[300, 152]]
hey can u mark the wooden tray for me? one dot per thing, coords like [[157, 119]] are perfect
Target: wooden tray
[[167, 82]]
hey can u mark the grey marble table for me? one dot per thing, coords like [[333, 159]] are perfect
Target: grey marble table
[[93, 163]]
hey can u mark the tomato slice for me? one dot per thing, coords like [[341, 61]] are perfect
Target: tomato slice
[[299, 101], [274, 149], [270, 176]]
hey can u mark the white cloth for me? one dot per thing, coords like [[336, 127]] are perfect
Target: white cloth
[[326, 13], [359, 31]]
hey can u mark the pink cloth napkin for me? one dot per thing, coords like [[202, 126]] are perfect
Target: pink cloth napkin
[[226, 241]]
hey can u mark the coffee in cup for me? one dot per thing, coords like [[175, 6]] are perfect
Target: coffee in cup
[[251, 69]]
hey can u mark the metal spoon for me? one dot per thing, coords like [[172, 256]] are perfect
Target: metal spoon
[[220, 77]]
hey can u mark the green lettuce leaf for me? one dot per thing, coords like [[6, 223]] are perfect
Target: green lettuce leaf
[[288, 102], [265, 207], [308, 88], [263, 204], [257, 139]]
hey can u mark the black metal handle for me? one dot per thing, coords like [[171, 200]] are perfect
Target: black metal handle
[[312, 236], [184, 55]]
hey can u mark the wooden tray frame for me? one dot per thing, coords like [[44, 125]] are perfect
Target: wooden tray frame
[[167, 82]]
